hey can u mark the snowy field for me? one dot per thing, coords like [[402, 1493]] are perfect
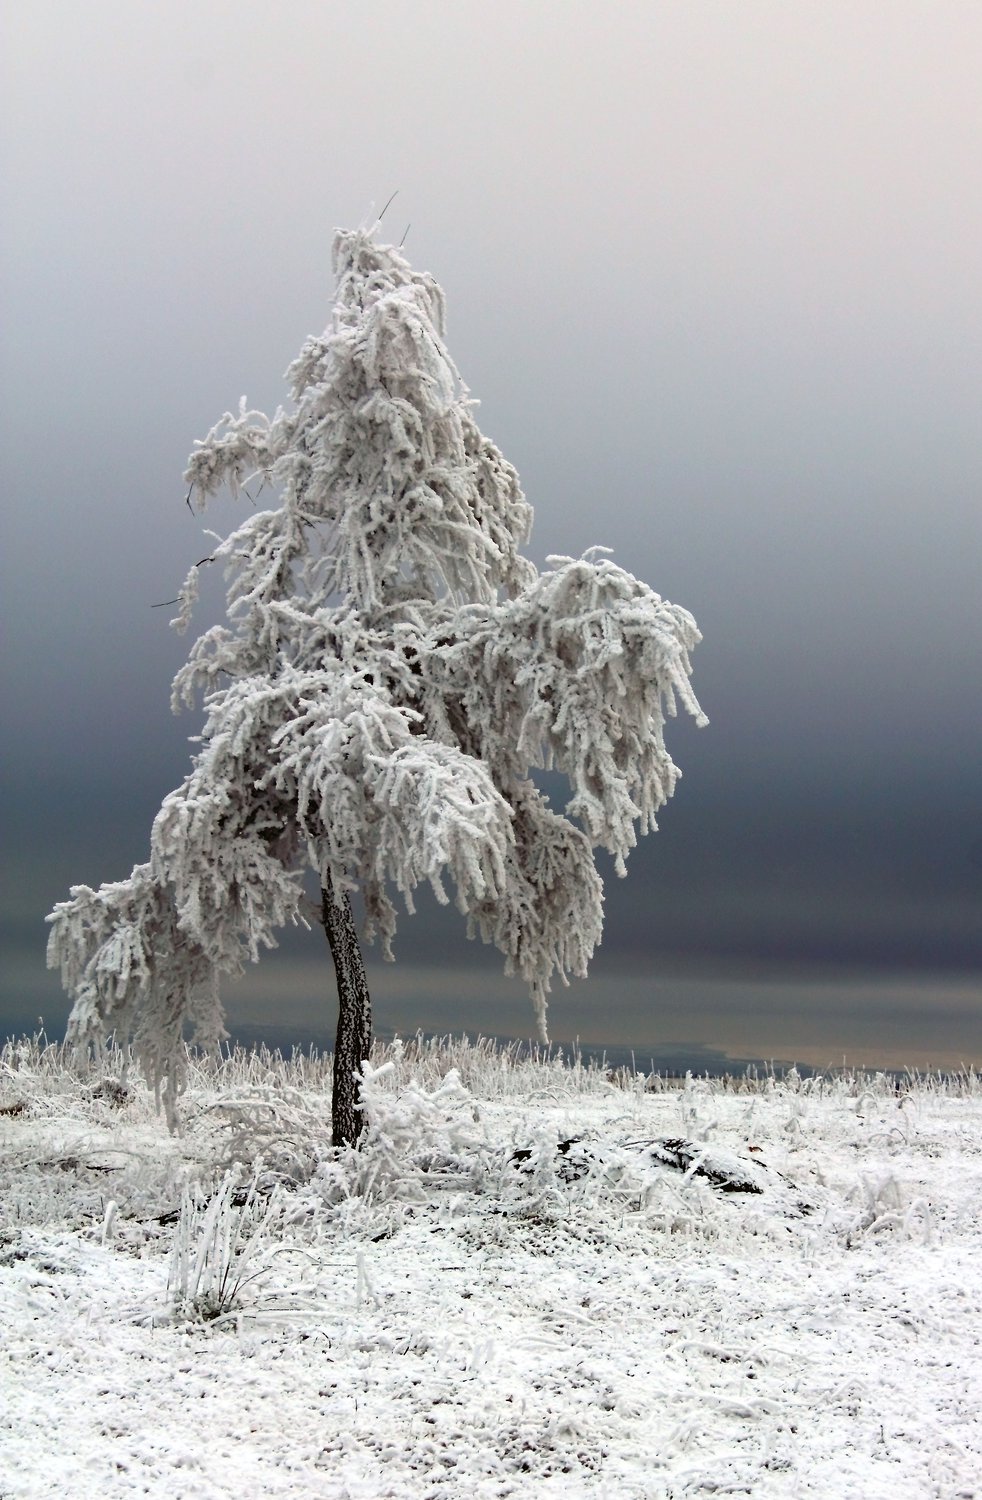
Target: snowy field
[[532, 1280]]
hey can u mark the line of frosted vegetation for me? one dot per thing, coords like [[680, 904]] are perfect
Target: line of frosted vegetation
[[488, 1068]]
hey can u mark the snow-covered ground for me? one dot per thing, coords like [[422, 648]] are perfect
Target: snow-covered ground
[[531, 1281]]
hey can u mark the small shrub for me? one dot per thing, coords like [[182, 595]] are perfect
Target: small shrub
[[221, 1246]]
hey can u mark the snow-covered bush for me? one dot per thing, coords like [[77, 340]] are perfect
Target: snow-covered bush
[[222, 1244], [414, 1139]]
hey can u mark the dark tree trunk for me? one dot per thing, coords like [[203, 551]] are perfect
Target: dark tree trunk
[[354, 1038]]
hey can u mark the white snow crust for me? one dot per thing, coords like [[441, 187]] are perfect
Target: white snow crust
[[533, 1279]]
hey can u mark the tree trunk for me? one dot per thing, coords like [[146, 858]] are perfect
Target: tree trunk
[[354, 1038]]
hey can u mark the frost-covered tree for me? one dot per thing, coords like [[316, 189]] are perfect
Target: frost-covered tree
[[391, 671]]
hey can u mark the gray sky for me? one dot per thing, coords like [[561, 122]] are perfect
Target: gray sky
[[712, 270]]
